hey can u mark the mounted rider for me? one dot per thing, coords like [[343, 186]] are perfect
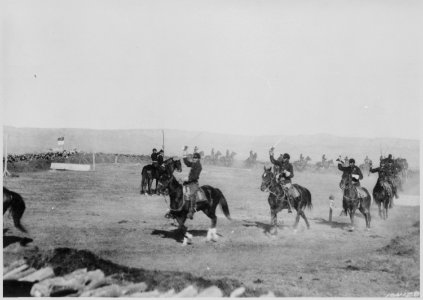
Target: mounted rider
[[191, 186], [356, 176], [366, 160], [154, 159], [324, 159], [385, 175], [286, 172], [351, 169], [160, 160]]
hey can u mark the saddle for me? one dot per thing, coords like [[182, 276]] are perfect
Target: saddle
[[291, 190], [361, 193], [199, 196]]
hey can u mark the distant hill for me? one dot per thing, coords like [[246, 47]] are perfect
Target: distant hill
[[141, 141]]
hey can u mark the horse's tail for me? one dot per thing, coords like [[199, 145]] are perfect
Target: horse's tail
[[223, 203], [17, 208], [305, 197]]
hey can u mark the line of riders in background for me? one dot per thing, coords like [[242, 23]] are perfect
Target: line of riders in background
[[388, 171]]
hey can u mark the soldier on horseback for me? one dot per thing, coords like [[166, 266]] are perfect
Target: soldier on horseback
[[154, 159], [386, 175], [191, 186], [154, 156], [286, 172], [351, 169], [366, 160], [160, 160]]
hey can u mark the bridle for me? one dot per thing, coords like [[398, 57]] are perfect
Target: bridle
[[168, 181], [269, 183]]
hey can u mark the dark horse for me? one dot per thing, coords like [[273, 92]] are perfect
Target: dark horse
[[383, 195], [149, 173], [179, 207], [352, 200], [16, 205], [277, 199]]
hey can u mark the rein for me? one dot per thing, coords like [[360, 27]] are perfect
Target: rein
[[273, 193], [175, 209]]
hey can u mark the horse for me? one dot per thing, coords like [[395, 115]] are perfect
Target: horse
[[278, 201], [383, 195], [228, 159], [300, 165], [149, 173], [16, 205], [366, 166], [179, 207], [324, 165], [351, 200]]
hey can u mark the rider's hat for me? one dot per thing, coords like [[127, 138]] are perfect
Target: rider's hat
[[154, 149], [352, 160], [286, 155], [196, 155]]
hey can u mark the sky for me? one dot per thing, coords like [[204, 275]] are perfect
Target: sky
[[250, 67]]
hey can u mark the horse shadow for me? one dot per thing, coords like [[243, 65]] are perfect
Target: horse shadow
[[176, 234], [8, 240], [332, 224], [266, 227]]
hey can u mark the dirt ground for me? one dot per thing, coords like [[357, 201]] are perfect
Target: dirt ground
[[102, 212]]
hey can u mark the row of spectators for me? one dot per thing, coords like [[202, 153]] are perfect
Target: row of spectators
[[11, 158], [72, 155]]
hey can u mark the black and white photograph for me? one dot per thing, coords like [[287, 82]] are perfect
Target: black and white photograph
[[199, 148]]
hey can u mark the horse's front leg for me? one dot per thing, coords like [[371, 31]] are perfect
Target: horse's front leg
[[352, 212], [273, 221], [157, 182], [297, 220], [366, 216], [380, 210], [149, 183], [183, 230], [142, 185]]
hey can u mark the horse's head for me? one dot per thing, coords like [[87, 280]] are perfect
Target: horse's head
[[172, 164], [177, 165], [163, 183], [266, 178]]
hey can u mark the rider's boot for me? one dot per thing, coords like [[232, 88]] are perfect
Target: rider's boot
[[191, 207]]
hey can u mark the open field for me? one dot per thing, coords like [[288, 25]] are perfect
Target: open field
[[104, 213]]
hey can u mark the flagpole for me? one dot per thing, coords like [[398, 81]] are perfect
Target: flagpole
[[163, 143]]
